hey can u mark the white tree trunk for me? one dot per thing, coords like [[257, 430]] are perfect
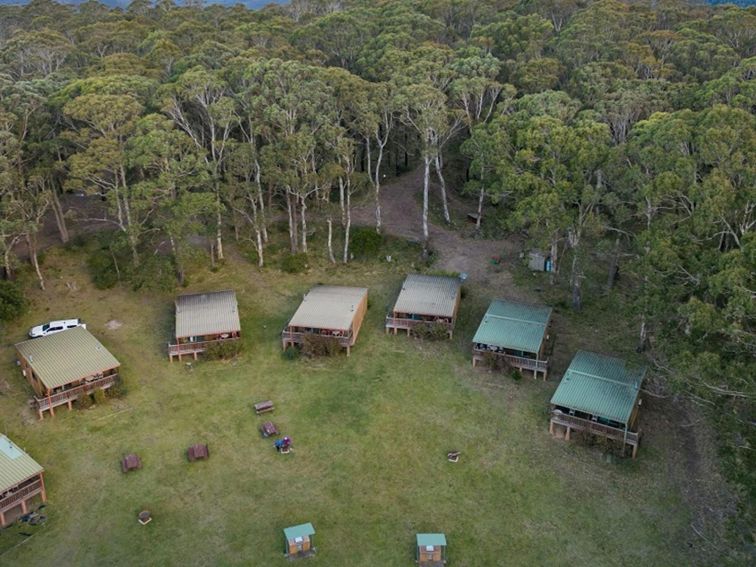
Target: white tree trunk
[[426, 184], [377, 185], [348, 225], [31, 242], [329, 222], [442, 182]]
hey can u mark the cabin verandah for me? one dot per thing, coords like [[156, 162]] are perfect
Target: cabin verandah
[[516, 333], [334, 312], [202, 320], [599, 395], [425, 299], [64, 367], [21, 481]]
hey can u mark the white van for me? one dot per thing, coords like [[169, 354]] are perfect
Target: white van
[[55, 327]]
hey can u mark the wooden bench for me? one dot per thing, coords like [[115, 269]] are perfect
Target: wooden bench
[[197, 452], [263, 407], [131, 462], [268, 429]]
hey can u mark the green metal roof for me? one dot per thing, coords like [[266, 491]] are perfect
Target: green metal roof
[[66, 357], [15, 465], [212, 313], [328, 307], [513, 325], [431, 539], [600, 385], [302, 530], [428, 295]]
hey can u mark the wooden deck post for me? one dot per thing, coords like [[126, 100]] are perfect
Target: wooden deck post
[[2, 519], [70, 405], [567, 434], [551, 427], [635, 450], [44, 490]]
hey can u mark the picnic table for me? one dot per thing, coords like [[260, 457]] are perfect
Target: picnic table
[[197, 452], [268, 429], [131, 462], [263, 407]]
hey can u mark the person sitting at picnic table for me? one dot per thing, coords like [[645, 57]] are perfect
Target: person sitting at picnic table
[[282, 445]]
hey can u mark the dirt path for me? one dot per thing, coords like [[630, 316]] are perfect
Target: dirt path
[[402, 214]]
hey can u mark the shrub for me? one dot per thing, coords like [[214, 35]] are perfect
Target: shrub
[[99, 396], [291, 353], [294, 263], [85, 401], [498, 363], [223, 350], [102, 269], [365, 242], [516, 375], [318, 345], [431, 331], [12, 300], [118, 389]]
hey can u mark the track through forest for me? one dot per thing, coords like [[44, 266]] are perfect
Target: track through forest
[[401, 203]]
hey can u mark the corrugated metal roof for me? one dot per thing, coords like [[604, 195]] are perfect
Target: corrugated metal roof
[[15, 465], [513, 325], [430, 539], [328, 307], [211, 313], [600, 385], [428, 295], [67, 356], [302, 530]]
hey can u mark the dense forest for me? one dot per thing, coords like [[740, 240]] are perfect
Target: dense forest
[[625, 129]]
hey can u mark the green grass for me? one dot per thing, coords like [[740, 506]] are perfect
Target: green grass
[[370, 433]]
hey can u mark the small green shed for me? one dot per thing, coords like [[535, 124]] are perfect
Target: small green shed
[[298, 540], [431, 550]]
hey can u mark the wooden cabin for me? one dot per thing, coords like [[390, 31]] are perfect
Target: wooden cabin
[[204, 319], [329, 311], [63, 367], [298, 541], [425, 299], [599, 395], [431, 550], [515, 333], [21, 481]]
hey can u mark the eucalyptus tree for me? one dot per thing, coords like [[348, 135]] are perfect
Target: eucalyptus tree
[[101, 123], [201, 105], [292, 103], [424, 108], [168, 165]]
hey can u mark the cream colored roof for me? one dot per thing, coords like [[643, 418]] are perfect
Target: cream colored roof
[[328, 307], [428, 295], [211, 313], [66, 357], [15, 465]]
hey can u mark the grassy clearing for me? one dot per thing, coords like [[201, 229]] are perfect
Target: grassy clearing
[[370, 432]]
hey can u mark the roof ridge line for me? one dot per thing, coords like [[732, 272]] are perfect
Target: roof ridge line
[[516, 319], [635, 385]]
